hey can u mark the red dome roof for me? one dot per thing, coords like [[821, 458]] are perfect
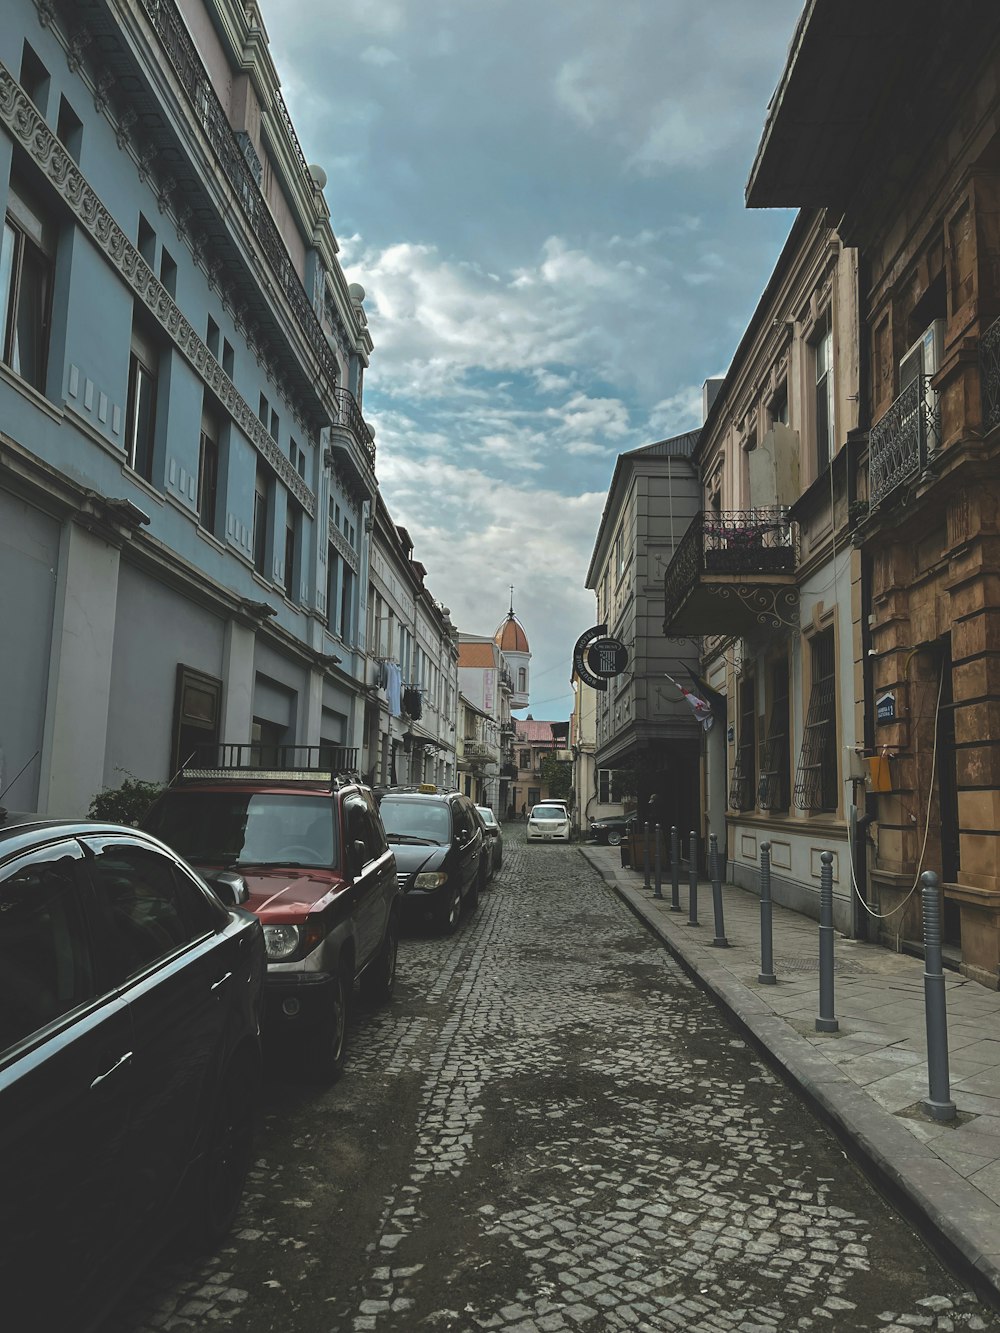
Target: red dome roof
[[510, 637]]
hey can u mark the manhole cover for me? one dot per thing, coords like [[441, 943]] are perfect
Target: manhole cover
[[812, 965]]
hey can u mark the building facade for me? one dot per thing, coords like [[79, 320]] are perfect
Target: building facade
[[767, 578], [644, 728], [914, 184], [412, 705], [534, 743], [186, 476], [486, 686]]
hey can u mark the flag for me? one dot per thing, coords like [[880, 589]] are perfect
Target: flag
[[716, 700], [701, 708]]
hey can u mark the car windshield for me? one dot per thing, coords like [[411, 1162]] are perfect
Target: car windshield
[[548, 812], [247, 828], [427, 821], [487, 815]]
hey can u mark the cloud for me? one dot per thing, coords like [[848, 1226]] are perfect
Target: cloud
[[380, 56]]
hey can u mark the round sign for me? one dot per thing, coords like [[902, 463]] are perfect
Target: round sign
[[607, 657]]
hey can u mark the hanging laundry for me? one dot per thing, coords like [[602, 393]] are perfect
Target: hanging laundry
[[393, 684]]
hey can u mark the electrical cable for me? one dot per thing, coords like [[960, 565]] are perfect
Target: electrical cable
[[882, 916]]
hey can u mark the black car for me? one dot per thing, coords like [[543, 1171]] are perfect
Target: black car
[[130, 997], [611, 830], [441, 859]]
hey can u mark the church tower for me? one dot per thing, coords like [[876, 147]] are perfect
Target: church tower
[[513, 643]]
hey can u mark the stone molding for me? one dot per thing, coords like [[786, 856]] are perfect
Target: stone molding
[[19, 115]]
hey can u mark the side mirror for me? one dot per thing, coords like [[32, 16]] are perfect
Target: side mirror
[[231, 888], [359, 854]]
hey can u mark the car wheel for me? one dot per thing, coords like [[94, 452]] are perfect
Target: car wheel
[[330, 1040], [614, 839], [229, 1151], [451, 911], [379, 978]]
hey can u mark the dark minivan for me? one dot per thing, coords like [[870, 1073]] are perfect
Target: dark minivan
[[130, 999], [440, 860]]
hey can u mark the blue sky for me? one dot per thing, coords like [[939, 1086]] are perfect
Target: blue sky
[[543, 200]]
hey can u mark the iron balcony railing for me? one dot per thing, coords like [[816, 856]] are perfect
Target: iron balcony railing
[[478, 750], [989, 372], [903, 440], [743, 541], [349, 417], [187, 65]]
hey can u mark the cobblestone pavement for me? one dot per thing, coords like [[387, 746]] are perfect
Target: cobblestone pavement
[[551, 1129]]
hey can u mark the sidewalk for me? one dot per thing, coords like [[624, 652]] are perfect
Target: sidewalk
[[869, 1077]]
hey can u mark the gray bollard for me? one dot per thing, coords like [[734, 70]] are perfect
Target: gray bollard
[[693, 881], [826, 1021], [645, 855], [675, 869], [938, 1103], [720, 941], [766, 974], [658, 876]]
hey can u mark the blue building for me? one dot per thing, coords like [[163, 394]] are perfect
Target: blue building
[[187, 482]]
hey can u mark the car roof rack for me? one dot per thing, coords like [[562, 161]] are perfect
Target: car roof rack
[[274, 764]]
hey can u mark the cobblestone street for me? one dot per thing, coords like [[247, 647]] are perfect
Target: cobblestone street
[[550, 1128]]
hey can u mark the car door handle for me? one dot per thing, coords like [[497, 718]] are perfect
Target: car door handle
[[125, 1059], [221, 982]]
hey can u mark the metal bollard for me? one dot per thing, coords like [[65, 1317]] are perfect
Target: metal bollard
[[693, 881], [938, 1103], [766, 974], [675, 869], [826, 1021], [720, 941], [645, 855], [658, 877]]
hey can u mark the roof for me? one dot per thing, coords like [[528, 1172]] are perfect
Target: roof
[[510, 635], [527, 729], [477, 654]]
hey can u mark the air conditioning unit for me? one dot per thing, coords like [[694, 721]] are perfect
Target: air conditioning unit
[[924, 357]]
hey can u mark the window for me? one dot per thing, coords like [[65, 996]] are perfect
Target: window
[[816, 775], [274, 425], [45, 965], [34, 78], [197, 711], [779, 406], [212, 337], [149, 910], [524, 759], [228, 358], [208, 472], [168, 272], [522, 680], [346, 603], [140, 414], [741, 788], [293, 521], [261, 518], [69, 129], [605, 785], [775, 760], [823, 359], [332, 589], [263, 409], [27, 254], [146, 241]]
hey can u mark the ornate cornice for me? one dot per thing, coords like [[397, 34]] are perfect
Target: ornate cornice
[[337, 538], [18, 114]]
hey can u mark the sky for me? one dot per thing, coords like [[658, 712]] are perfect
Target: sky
[[543, 200]]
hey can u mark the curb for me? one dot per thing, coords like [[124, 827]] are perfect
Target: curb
[[949, 1212]]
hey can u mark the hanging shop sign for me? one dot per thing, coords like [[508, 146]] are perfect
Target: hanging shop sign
[[885, 707], [596, 657]]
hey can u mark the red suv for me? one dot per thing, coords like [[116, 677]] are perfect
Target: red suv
[[321, 877]]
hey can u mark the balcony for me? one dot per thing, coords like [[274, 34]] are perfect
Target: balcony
[[351, 442], [478, 750], [903, 441], [732, 573], [989, 374]]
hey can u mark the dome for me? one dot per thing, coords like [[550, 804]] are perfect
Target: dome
[[510, 637]]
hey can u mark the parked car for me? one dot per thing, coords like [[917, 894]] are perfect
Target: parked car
[[611, 829], [548, 821], [494, 836], [322, 879], [130, 996], [440, 854]]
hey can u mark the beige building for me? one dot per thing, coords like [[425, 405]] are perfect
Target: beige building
[[766, 576]]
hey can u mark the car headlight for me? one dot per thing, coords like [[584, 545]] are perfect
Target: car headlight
[[430, 879], [281, 942]]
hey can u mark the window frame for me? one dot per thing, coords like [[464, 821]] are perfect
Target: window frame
[[143, 360], [31, 234]]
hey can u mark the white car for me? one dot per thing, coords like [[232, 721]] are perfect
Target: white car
[[548, 822]]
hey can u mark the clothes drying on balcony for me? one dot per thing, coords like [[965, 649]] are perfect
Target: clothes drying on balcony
[[393, 684]]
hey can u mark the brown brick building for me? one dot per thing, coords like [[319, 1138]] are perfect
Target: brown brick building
[[888, 117]]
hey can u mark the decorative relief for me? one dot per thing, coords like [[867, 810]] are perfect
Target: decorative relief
[[342, 544], [18, 113], [126, 124], [78, 43]]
